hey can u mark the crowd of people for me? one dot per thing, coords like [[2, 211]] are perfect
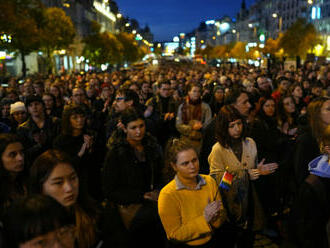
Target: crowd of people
[[182, 155]]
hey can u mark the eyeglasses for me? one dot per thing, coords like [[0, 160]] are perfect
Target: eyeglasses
[[120, 98]]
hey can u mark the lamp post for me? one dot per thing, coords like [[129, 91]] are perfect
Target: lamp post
[[275, 15]]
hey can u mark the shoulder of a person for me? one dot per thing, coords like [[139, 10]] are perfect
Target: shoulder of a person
[[169, 188]]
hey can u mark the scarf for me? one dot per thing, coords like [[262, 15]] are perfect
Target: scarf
[[191, 110]]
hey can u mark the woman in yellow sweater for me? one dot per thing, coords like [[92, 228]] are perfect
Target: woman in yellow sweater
[[190, 205]]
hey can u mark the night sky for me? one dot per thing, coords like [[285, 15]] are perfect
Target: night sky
[[167, 18]]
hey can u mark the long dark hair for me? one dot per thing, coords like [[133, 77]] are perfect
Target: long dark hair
[[227, 114], [68, 111], [85, 209], [5, 178]]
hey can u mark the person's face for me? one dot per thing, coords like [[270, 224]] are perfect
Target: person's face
[[62, 185], [284, 85], [297, 92], [134, 88], [269, 108], [54, 91], [263, 84], [120, 104], [145, 88], [187, 164], [306, 85], [77, 121], [78, 96], [13, 158], [317, 91], [135, 130], [48, 101], [38, 89], [5, 111], [218, 95], [194, 93], [36, 108], [19, 116], [235, 129], [289, 105], [60, 238], [165, 90], [325, 112], [242, 104]]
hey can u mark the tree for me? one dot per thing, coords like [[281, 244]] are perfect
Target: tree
[[19, 20], [102, 48], [131, 51], [238, 51], [299, 38], [57, 32]]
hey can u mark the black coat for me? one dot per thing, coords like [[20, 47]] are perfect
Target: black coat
[[125, 179], [310, 215]]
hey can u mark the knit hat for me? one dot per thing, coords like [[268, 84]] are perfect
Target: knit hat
[[31, 99], [17, 106]]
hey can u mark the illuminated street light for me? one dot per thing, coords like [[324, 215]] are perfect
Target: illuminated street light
[[310, 2], [234, 31], [119, 15], [127, 24], [134, 32], [250, 25], [274, 15]]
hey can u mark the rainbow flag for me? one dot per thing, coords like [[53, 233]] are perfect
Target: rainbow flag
[[226, 181]]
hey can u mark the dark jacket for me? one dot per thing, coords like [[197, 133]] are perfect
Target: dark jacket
[[125, 179], [310, 213], [29, 130]]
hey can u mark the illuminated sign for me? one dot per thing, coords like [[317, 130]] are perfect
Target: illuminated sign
[[170, 47], [102, 9], [316, 13]]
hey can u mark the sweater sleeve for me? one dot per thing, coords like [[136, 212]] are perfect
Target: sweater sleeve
[[170, 214], [217, 168]]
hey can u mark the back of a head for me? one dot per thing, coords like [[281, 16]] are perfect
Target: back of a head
[[233, 94], [33, 216]]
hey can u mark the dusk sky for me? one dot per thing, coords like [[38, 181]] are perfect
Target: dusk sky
[[167, 18]]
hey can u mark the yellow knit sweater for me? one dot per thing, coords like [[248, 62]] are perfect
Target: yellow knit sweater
[[182, 212]]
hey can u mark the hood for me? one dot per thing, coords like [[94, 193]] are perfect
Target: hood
[[320, 166]]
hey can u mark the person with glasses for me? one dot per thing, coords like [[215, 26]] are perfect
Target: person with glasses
[[125, 99]]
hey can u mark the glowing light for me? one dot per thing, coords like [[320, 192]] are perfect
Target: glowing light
[[224, 27], [176, 39], [210, 22], [119, 15], [134, 32], [101, 8], [202, 41]]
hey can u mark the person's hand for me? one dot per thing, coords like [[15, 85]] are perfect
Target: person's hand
[[82, 150], [152, 195], [197, 125], [212, 210], [148, 111], [254, 174], [168, 116], [266, 169], [88, 140], [120, 125]]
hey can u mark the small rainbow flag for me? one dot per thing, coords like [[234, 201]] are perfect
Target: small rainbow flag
[[226, 181]]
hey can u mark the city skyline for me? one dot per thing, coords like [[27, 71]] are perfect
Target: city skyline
[[171, 17]]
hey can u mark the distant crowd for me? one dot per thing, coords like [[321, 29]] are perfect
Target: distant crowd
[[175, 156]]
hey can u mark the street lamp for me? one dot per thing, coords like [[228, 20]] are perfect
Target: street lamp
[[275, 15]]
